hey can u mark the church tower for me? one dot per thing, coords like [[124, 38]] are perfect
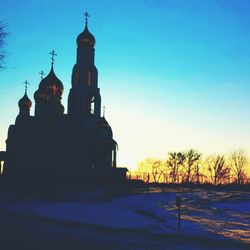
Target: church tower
[[84, 97]]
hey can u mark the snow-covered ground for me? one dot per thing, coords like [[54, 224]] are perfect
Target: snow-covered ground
[[206, 216]]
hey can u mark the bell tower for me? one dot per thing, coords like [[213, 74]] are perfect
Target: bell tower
[[84, 97]]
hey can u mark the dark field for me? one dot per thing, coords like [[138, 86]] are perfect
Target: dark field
[[139, 219]]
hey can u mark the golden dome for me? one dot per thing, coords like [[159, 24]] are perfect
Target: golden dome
[[25, 102], [51, 84], [86, 38]]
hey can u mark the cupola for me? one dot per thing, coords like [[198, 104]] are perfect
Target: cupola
[[86, 38]]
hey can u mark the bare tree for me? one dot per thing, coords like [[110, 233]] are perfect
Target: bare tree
[[144, 168], [198, 175], [151, 168], [192, 157], [157, 170], [239, 163], [191, 167], [3, 35], [218, 169], [174, 162]]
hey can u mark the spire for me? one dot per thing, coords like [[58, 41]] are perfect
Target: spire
[[53, 54], [86, 14]]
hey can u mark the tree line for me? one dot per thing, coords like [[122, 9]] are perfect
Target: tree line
[[191, 166]]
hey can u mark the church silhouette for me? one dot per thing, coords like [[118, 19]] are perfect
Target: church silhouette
[[52, 147]]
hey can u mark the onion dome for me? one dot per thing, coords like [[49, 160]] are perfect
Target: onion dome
[[86, 38], [50, 85], [25, 102]]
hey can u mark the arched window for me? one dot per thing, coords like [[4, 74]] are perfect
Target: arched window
[[91, 105]]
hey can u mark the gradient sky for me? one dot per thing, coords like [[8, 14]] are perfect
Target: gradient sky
[[174, 74]]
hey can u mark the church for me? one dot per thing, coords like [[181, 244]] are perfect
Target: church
[[53, 147]]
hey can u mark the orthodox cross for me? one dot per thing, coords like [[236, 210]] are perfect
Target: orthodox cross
[[103, 111], [86, 14], [53, 54], [41, 73], [26, 85]]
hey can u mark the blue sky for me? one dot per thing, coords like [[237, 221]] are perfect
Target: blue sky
[[173, 74]]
